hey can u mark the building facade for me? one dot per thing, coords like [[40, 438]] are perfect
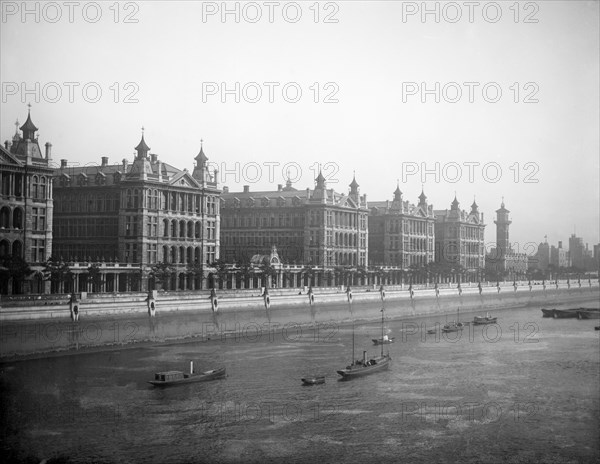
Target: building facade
[[559, 257], [136, 216], [401, 234], [502, 262], [318, 228], [459, 241], [26, 209]]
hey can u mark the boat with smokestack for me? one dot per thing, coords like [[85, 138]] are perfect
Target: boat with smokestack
[[364, 366], [171, 378]]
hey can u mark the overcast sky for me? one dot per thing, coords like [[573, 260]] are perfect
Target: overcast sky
[[367, 64]]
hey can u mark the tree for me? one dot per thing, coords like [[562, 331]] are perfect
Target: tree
[[16, 268], [197, 270], [161, 273], [222, 270], [59, 274]]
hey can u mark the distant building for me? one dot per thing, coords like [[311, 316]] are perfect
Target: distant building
[[503, 262], [318, 227], [542, 258], [401, 234], [459, 240], [559, 257], [127, 218], [581, 256], [26, 207]]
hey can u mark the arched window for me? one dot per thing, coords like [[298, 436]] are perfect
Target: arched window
[[42, 188], [181, 255], [174, 229], [190, 229], [4, 217], [173, 254], [165, 228], [165, 254], [17, 248], [18, 218], [4, 248], [182, 229], [34, 187]]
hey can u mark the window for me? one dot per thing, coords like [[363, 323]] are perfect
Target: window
[[38, 250], [210, 230], [152, 250], [39, 218], [210, 254]]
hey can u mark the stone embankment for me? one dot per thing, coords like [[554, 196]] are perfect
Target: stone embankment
[[30, 325]]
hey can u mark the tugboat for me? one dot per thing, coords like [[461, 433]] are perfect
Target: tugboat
[[364, 366], [453, 326], [172, 378], [487, 319]]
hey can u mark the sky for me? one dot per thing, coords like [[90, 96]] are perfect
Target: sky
[[494, 101]]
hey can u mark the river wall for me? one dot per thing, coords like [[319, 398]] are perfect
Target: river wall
[[44, 325]]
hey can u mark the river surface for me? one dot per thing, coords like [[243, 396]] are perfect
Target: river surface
[[524, 390]]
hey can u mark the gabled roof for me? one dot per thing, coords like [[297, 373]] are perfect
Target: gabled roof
[[7, 157]]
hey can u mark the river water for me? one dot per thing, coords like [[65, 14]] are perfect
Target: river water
[[524, 390]]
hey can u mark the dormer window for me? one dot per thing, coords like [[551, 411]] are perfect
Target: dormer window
[[100, 179], [265, 201], [117, 177], [82, 179]]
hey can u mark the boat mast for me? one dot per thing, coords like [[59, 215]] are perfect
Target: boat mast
[[382, 332]]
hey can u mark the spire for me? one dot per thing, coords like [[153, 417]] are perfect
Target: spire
[[17, 136], [397, 192], [29, 128], [142, 149], [455, 202], [320, 180], [422, 197], [474, 206], [201, 158], [354, 184]]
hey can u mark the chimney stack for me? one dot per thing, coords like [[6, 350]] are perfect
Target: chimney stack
[[48, 151], [6, 144], [560, 244], [124, 164], [63, 163], [246, 188], [153, 158], [279, 187], [104, 161], [225, 189]]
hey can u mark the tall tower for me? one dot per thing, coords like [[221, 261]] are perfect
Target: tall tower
[[502, 224]]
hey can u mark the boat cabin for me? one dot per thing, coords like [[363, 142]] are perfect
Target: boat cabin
[[168, 376]]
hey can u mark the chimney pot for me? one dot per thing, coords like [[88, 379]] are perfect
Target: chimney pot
[[6, 144], [104, 161], [225, 189], [153, 158], [279, 187], [63, 163], [246, 188]]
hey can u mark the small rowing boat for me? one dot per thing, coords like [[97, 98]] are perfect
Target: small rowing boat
[[171, 378]]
